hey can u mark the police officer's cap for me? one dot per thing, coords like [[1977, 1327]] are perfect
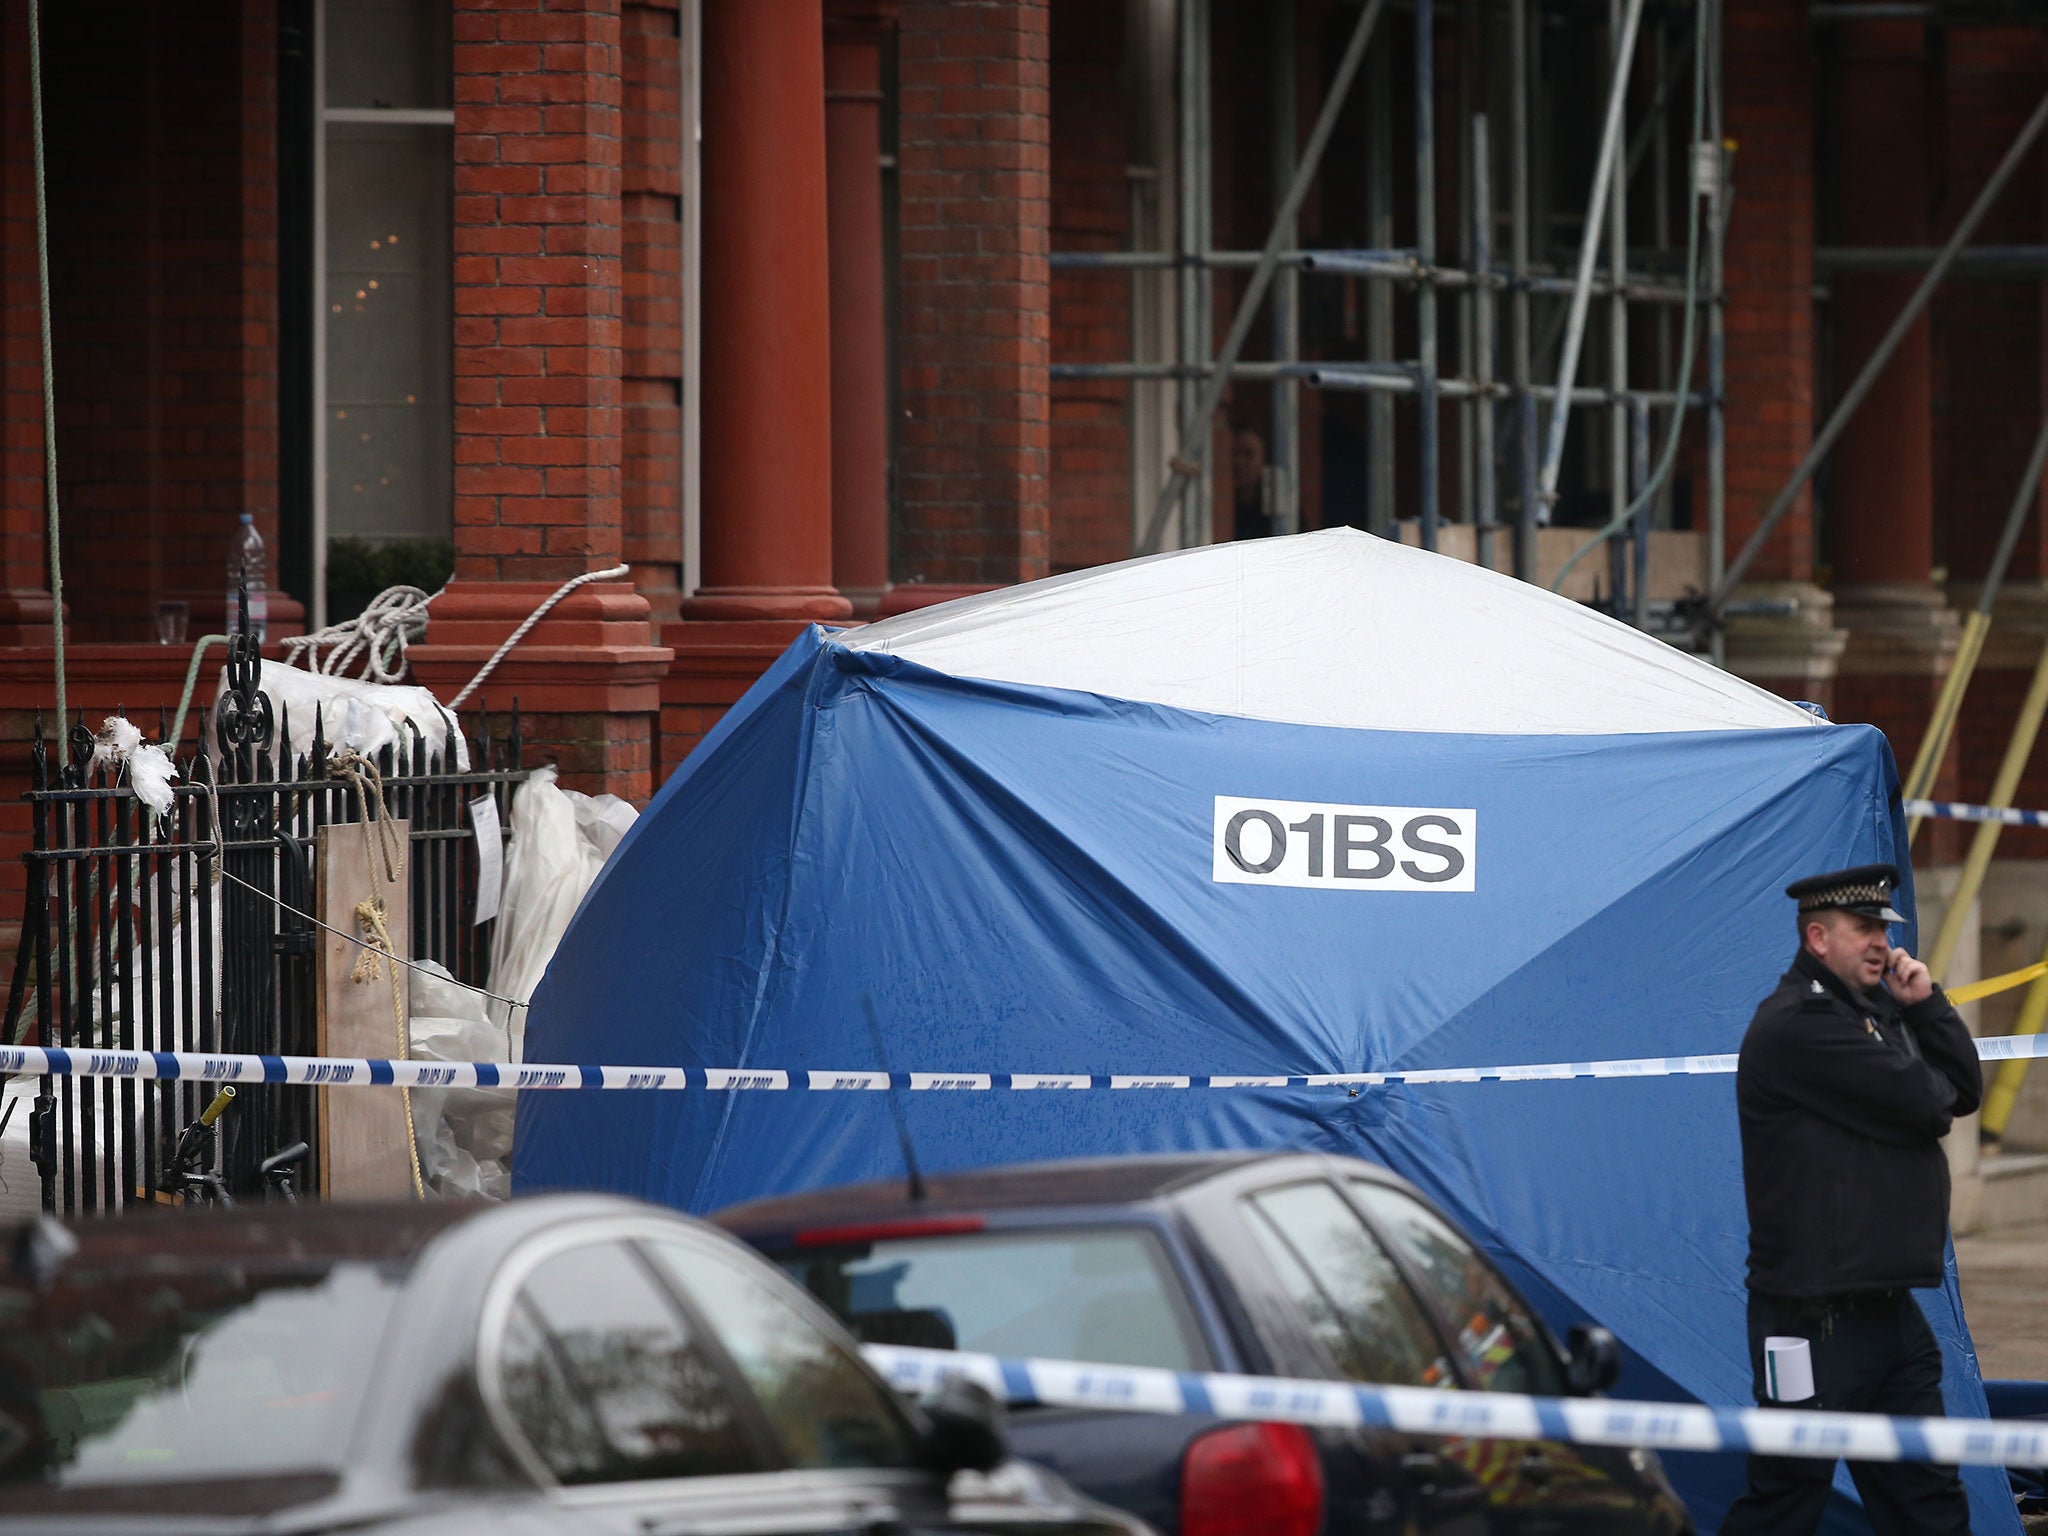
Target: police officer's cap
[[1865, 890]]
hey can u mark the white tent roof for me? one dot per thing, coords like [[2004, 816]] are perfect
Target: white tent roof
[[1331, 628]]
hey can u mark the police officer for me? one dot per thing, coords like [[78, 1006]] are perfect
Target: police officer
[[1850, 1075]]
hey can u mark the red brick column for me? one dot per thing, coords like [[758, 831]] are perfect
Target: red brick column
[[766, 538], [538, 370], [1990, 363], [855, 32], [1881, 503], [974, 145], [1768, 111], [766, 542]]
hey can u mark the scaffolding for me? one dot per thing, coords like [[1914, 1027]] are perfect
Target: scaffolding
[[1489, 394]]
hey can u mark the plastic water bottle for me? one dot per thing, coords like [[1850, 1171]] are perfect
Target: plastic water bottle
[[245, 566]]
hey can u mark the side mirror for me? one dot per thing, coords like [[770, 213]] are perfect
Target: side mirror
[[1595, 1360], [967, 1428]]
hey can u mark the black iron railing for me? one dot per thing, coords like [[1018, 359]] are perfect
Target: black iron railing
[[196, 932]]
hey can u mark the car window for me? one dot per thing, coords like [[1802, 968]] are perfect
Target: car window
[[606, 1380], [825, 1407], [1102, 1294], [224, 1371], [1500, 1339], [1349, 1290]]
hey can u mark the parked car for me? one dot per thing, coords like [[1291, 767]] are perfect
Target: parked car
[[1292, 1265], [568, 1364]]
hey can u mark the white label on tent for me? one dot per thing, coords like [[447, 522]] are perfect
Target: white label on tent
[[490, 856], [1315, 846]]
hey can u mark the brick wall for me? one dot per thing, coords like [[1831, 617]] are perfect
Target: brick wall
[[974, 329], [1090, 520], [1768, 109], [162, 190], [1988, 357], [538, 288], [651, 211]]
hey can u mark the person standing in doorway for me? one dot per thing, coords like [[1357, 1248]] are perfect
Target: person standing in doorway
[[1850, 1075]]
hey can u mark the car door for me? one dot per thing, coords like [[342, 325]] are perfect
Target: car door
[[624, 1402], [1363, 1322], [1541, 1487]]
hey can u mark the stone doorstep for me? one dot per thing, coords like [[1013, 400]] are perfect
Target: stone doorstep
[[2013, 1191]]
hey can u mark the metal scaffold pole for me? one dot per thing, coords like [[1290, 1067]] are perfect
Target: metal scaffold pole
[[1468, 331], [1193, 455]]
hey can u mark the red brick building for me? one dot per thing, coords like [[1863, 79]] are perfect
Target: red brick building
[[774, 302]]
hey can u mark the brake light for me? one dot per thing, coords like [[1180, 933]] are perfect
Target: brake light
[[876, 1231], [1252, 1480]]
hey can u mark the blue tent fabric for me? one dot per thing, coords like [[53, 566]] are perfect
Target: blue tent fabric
[[1019, 879]]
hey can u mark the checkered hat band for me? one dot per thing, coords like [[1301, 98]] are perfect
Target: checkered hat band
[[1847, 896]]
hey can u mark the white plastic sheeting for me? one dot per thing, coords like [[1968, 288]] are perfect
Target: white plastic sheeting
[[365, 716], [560, 840], [465, 1134], [1331, 628]]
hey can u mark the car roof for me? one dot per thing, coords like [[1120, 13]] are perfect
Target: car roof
[[312, 1234], [1018, 1186]]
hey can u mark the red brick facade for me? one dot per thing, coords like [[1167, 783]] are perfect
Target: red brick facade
[[974, 328], [1014, 132], [1768, 105]]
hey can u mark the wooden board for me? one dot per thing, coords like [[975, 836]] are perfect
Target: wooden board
[[362, 1130]]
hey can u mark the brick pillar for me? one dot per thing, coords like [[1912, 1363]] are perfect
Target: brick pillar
[[651, 487], [25, 607], [767, 478], [1881, 505], [855, 32], [1768, 111], [538, 373], [1992, 344], [766, 538], [974, 145]]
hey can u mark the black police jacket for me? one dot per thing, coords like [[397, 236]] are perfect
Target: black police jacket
[[1844, 1098]]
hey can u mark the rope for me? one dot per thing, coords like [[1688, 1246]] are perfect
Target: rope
[[35, 91], [532, 619], [370, 918], [410, 965], [376, 637], [354, 769]]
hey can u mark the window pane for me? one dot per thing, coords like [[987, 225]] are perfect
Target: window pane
[[1105, 1295], [181, 1375], [825, 1408], [388, 316], [390, 53], [1353, 1296], [605, 1382], [1502, 1341]]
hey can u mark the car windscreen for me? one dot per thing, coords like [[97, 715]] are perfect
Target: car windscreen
[[1102, 1294], [138, 1375]]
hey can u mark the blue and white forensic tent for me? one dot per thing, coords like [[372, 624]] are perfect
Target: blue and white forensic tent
[[1306, 805]]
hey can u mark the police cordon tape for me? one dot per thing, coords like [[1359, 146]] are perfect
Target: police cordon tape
[[1474, 1415], [367, 1072], [1956, 810]]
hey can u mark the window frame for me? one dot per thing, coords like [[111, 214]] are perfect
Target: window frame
[[1447, 1328], [1253, 1216], [1185, 1292], [503, 1297]]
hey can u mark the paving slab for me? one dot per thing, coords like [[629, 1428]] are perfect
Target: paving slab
[[2004, 1276]]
